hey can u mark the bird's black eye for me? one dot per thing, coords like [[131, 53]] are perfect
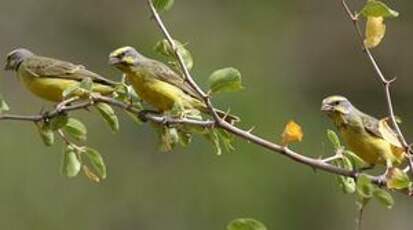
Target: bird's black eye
[[336, 103]]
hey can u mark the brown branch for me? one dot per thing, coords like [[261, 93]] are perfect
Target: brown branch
[[181, 62], [155, 117], [216, 123], [386, 84], [165, 120], [246, 135], [48, 115]]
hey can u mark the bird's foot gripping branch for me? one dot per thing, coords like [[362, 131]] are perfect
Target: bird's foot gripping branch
[[184, 109]]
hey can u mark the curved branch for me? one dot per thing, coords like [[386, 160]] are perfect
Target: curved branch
[[217, 122], [246, 135], [386, 84], [151, 116], [165, 120]]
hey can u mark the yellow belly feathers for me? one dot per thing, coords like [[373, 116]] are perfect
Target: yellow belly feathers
[[161, 95], [369, 148], [51, 89]]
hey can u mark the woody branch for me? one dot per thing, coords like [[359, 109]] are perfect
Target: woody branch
[[245, 134], [216, 122], [386, 83]]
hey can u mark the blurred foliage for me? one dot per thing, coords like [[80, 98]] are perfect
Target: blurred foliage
[[291, 53]]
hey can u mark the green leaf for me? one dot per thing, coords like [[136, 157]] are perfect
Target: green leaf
[[397, 179], [108, 115], [364, 187], [164, 48], [185, 138], [347, 184], [334, 140], [347, 164], [384, 197], [96, 161], [225, 80], [46, 134], [134, 117], [86, 84], [163, 5], [356, 160], [364, 191], [226, 139], [58, 122], [76, 129], [3, 105], [213, 137], [246, 224], [169, 137], [375, 8], [71, 165], [186, 56], [132, 94]]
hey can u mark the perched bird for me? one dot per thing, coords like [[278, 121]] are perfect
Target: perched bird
[[48, 78], [371, 139], [157, 84]]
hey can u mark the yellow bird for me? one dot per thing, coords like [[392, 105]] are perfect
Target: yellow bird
[[157, 84], [48, 78], [371, 139]]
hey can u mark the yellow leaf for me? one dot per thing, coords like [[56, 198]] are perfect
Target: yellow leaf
[[397, 179], [375, 30], [292, 133]]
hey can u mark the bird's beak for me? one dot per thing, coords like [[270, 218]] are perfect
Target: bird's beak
[[326, 108], [114, 61]]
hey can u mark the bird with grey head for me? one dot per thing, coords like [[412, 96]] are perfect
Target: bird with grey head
[[125, 57], [340, 110], [336, 104], [371, 139], [16, 57]]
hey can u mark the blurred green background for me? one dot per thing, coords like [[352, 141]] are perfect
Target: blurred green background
[[291, 53]]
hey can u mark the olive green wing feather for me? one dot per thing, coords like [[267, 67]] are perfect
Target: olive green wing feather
[[53, 68], [371, 125], [381, 129], [163, 73]]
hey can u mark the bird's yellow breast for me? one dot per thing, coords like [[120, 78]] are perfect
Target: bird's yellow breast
[[371, 149], [52, 89], [160, 94]]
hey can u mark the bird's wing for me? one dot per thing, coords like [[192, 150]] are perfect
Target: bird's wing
[[53, 68], [388, 133], [162, 72], [381, 129]]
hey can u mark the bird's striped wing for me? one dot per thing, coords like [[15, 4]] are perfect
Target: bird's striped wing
[[162, 72], [53, 68], [381, 129]]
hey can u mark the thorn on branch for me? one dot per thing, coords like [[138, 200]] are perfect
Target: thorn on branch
[[251, 130]]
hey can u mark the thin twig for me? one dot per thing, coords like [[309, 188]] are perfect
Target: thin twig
[[246, 135], [359, 220], [181, 62], [386, 84], [158, 118], [97, 98], [64, 138], [216, 123]]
